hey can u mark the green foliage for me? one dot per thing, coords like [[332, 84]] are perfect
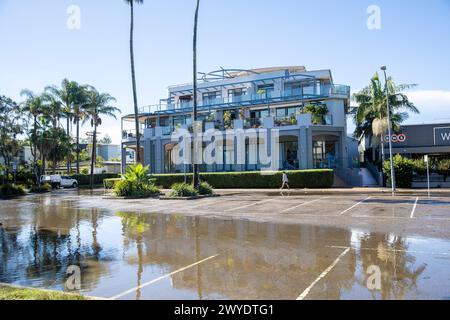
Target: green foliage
[[98, 178], [205, 189], [227, 120], [84, 170], [137, 172], [403, 171], [183, 190], [371, 116], [12, 293], [41, 188], [443, 168], [11, 190], [420, 167], [110, 183], [135, 188], [135, 183], [318, 178], [317, 111]]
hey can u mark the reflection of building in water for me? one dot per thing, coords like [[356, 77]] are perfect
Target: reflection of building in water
[[257, 260]]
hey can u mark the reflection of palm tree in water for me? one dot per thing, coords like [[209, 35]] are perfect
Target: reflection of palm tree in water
[[398, 274], [134, 226]]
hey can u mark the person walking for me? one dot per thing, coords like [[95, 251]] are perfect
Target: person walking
[[285, 181]]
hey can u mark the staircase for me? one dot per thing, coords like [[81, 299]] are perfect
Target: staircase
[[367, 178]]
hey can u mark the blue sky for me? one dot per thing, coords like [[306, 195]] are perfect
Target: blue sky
[[38, 49]]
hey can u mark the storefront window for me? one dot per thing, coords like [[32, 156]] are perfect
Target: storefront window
[[324, 154]]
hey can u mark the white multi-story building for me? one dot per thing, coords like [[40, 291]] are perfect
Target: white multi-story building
[[266, 99]]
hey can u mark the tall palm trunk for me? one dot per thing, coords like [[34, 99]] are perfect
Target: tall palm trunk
[[94, 153], [77, 119], [69, 153], [133, 80], [195, 174]]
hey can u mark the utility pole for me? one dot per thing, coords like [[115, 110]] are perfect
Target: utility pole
[[389, 132]]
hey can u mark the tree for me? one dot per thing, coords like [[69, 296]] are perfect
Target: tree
[[33, 107], [133, 79], [66, 94], [195, 168], [80, 96], [10, 128], [97, 106], [371, 116], [106, 140]]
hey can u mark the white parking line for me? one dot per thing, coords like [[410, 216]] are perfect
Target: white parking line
[[323, 274], [414, 208], [353, 206], [161, 278], [249, 205], [204, 203], [302, 204]]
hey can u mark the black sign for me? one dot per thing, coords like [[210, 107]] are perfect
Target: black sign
[[442, 136]]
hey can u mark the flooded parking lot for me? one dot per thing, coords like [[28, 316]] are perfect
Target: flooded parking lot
[[237, 246]]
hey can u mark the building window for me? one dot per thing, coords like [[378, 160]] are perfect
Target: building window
[[287, 112], [324, 154], [235, 95], [150, 122], [293, 89], [179, 121], [164, 122], [211, 97], [265, 90], [185, 102], [259, 114]]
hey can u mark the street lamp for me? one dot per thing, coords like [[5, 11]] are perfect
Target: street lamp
[[389, 131]]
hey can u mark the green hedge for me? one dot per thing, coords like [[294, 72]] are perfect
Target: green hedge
[[242, 180], [111, 183], [85, 179]]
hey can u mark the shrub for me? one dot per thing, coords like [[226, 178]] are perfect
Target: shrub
[[443, 168], [183, 190], [10, 190], [41, 188], [138, 173], [127, 188], [403, 171], [135, 183], [85, 170], [420, 167], [111, 183], [320, 178], [205, 189]]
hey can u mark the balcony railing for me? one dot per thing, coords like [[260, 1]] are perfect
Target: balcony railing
[[305, 93], [130, 134], [253, 123], [285, 121]]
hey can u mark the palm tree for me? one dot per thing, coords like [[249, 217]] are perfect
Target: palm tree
[[195, 174], [66, 94], [33, 107], [133, 79], [97, 105], [371, 116], [54, 112], [78, 114]]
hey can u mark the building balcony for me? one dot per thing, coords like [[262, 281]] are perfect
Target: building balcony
[[303, 94], [130, 135]]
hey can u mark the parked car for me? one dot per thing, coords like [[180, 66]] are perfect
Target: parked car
[[57, 181]]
